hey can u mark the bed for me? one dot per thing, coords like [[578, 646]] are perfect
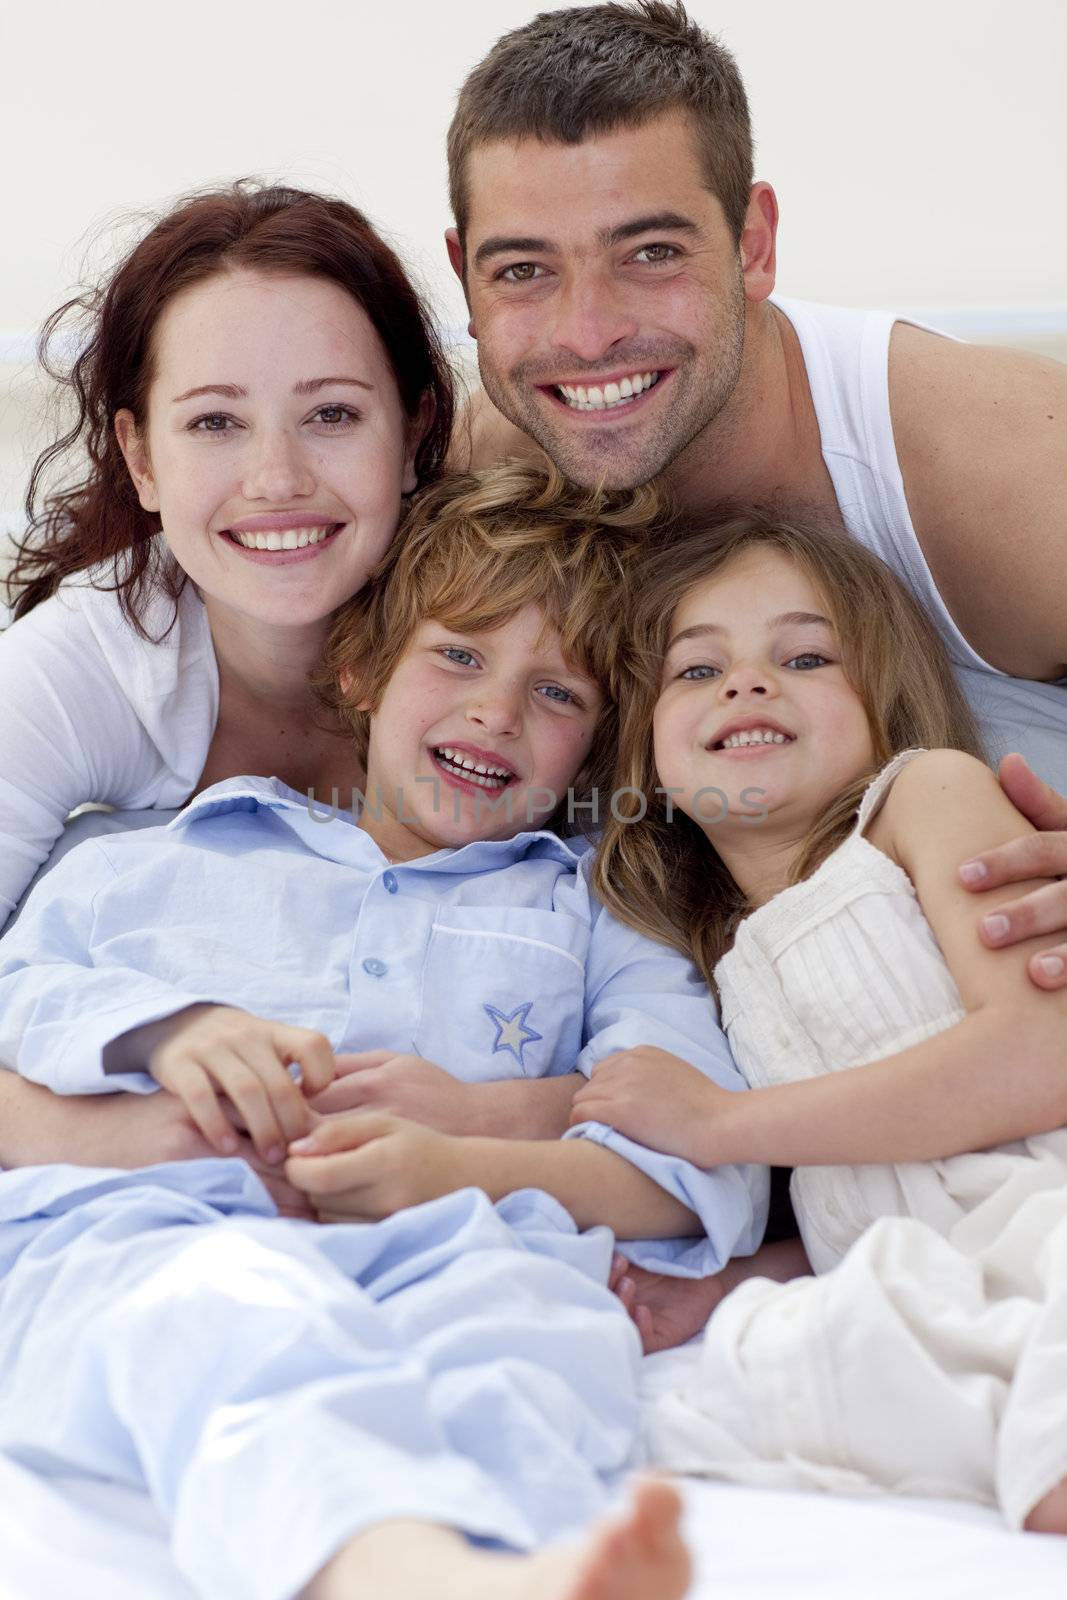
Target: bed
[[62, 1537]]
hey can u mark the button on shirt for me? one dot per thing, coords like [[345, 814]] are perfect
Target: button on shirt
[[494, 960]]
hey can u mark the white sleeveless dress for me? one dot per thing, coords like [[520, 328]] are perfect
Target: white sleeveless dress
[[931, 1356]]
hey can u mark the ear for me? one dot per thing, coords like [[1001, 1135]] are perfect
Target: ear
[[757, 243], [417, 429], [135, 454], [454, 246]]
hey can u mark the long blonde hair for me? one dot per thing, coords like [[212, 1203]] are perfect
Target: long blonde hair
[[656, 871]]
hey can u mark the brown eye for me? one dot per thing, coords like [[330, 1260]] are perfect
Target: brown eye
[[521, 272]]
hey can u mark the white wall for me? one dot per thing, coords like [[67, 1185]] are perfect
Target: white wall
[[917, 147]]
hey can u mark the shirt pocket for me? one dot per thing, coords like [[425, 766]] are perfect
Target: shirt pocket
[[503, 993]]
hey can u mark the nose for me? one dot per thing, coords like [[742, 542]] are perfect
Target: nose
[[744, 679], [278, 469], [591, 318], [496, 708]]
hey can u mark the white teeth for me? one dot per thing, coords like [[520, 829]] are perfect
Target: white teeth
[[478, 771], [738, 741], [283, 538], [612, 394]]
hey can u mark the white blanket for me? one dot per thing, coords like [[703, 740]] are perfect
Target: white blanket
[[64, 1537]]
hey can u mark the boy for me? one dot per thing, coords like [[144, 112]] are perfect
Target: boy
[[449, 921]]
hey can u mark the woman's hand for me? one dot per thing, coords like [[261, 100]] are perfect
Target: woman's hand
[[1037, 855], [207, 1051], [657, 1098], [403, 1086], [117, 1130], [366, 1165]]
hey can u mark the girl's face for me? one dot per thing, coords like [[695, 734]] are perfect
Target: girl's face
[[754, 706], [477, 736], [276, 447]]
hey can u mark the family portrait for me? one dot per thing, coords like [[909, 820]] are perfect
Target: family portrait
[[533, 809]]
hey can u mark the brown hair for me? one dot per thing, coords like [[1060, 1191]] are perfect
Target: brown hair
[[568, 75], [472, 552], [659, 873], [264, 229]]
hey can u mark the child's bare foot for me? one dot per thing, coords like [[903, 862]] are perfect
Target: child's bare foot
[[1050, 1513], [637, 1556]]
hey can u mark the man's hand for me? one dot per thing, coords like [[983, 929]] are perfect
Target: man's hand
[[654, 1097], [206, 1051], [403, 1086], [1037, 855], [365, 1165]]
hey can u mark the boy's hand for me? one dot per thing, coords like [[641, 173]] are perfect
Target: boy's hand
[[210, 1050], [366, 1165], [402, 1085], [655, 1097], [1037, 855]]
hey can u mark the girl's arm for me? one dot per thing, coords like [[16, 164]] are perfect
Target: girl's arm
[[999, 1074]]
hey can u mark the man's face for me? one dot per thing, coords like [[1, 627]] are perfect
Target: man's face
[[607, 296]]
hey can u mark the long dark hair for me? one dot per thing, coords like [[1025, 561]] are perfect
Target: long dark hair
[[267, 229]]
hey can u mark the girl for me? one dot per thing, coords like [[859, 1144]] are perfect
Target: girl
[[798, 712]]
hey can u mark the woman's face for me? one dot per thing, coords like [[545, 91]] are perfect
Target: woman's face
[[276, 447]]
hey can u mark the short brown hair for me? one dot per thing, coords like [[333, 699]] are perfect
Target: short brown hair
[[568, 75], [472, 552], [659, 873]]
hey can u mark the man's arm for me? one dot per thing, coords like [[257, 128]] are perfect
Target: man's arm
[[981, 436]]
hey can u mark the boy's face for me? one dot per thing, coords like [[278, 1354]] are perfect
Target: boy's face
[[477, 736]]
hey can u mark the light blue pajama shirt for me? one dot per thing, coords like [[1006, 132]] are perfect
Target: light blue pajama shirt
[[494, 961], [276, 1385]]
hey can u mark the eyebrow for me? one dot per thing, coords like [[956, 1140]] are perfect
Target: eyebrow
[[787, 619], [233, 391], [658, 221]]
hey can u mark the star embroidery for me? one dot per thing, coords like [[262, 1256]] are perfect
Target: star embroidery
[[512, 1031]]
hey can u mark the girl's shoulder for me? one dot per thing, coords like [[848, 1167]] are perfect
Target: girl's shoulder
[[910, 789]]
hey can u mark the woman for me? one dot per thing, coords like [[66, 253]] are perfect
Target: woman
[[259, 386]]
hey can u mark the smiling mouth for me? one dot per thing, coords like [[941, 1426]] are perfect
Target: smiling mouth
[[756, 739], [483, 774], [606, 396], [284, 538]]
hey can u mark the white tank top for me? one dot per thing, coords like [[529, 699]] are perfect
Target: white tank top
[[846, 353]]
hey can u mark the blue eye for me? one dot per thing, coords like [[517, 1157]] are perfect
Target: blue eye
[[808, 655], [452, 652], [555, 691], [697, 674]]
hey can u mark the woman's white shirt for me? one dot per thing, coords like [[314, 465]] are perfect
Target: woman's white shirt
[[91, 711]]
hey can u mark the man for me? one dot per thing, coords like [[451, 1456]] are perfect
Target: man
[[618, 262]]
